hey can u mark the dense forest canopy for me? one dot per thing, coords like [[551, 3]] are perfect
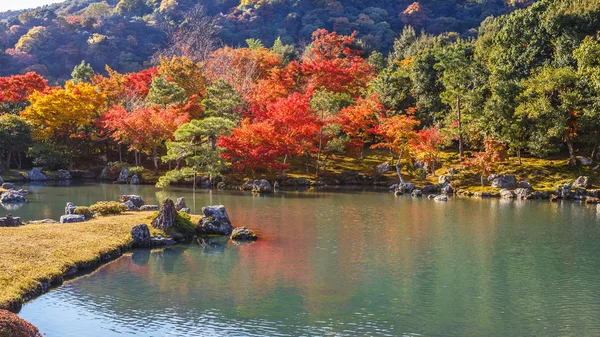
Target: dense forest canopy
[[528, 82], [125, 34]]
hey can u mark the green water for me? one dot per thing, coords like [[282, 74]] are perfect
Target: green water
[[341, 264]]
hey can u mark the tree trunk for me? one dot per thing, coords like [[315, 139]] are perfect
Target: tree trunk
[[319, 151], [120, 154], [19, 163], [433, 168], [460, 136], [572, 159], [518, 150], [482, 179], [8, 155], [399, 166], [155, 160], [213, 143]]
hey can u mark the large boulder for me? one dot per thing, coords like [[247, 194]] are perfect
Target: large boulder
[[166, 216], [405, 187], [135, 199], [135, 180], [131, 206], [503, 181], [584, 161], [43, 221], [180, 204], [507, 194], [145, 208], [8, 186], [243, 234], [36, 174], [582, 182], [12, 196], [523, 193], [416, 192], [262, 186], [70, 208], [525, 184], [247, 185], [141, 236], [441, 197], [444, 179], [124, 175], [64, 175], [70, 218], [10, 221], [564, 191], [214, 221]]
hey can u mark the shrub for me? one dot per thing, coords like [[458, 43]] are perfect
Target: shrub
[[184, 224], [12, 325], [86, 211], [108, 207], [138, 170]]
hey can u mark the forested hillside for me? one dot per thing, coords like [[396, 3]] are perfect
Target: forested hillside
[[125, 34], [529, 84]]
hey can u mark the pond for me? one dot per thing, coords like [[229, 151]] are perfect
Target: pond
[[340, 264]]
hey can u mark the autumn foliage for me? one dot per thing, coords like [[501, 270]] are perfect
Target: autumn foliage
[[11, 325]]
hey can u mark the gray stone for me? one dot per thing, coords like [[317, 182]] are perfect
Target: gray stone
[[64, 175], [141, 236], [584, 161], [159, 240], [416, 192], [214, 221], [145, 208], [262, 186], [507, 194], [431, 196], [243, 234], [11, 196], [8, 186], [275, 185], [481, 194], [23, 192], [502, 181], [135, 199], [429, 188], [70, 208], [441, 197], [444, 179], [180, 204], [405, 187], [447, 189], [247, 185], [564, 191], [524, 184], [10, 221], [582, 182], [522, 193], [70, 218], [134, 180], [166, 216], [185, 210], [131, 206], [36, 174], [124, 175]]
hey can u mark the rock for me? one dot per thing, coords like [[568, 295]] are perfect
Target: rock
[[10, 221], [221, 185], [582, 182], [243, 234], [124, 175], [564, 191], [507, 194], [180, 204], [214, 221], [444, 179], [11, 196], [522, 193], [36, 174], [1, 181], [131, 206], [429, 188], [398, 193], [584, 161], [70, 218], [481, 194], [524, 184], [592, 200], [145, 208], [383, 168], [135, 199], [159, 240], [64, 175], [134, 180], [261, 186], [70, 208], [405, 187], [185, 210], [23, 192], [43, 221], [247, 185], [441, 197], [447, 189], [8, 186], [502, 181], [275, 185], [416, 192], [431, 196], [166, 216], [141, 236]]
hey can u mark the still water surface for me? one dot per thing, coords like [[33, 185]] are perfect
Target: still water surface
[[341, 264]]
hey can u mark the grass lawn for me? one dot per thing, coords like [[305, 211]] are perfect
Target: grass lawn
[[41, 252]]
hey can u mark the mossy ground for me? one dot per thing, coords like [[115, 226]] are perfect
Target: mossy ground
[[41, 252]]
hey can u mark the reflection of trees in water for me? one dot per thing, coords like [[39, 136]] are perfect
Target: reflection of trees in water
[[11, 207], [140, 257]]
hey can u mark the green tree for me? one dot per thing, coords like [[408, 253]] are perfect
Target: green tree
[[15, 138], [222, 101], [164, 93], [82, 72]]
